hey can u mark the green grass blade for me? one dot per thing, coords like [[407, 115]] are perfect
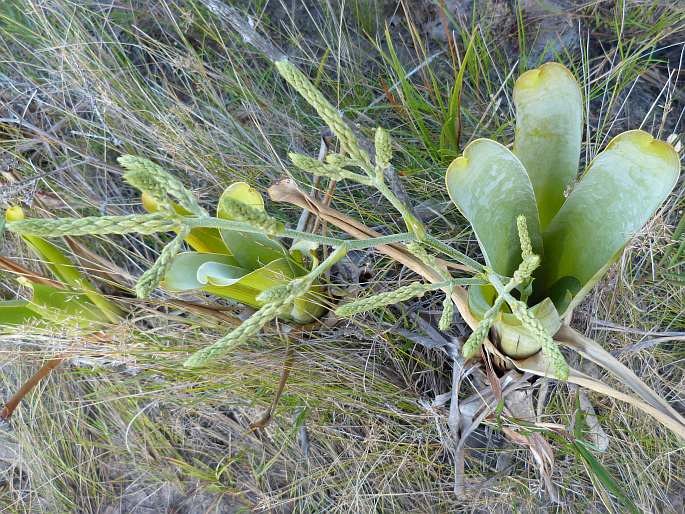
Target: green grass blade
[[602, 475], [451, 128]]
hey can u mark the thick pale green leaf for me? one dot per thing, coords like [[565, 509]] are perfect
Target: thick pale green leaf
[[622, 188], [16, 312], [516, 341], [183, 272], [549, 119], [481, 298], [278, 272], [194, 271], [64, 269], [490, 187], [252, 251]]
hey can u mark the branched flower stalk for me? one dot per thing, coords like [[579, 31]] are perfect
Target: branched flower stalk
[[465, 178], [522, 275], [373, 174], [150, 280], [96, 225], [254, 217], [429, 260], [151, 178], [401, 294], [160, 185]]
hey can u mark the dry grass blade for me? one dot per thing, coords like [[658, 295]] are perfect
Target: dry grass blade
[[593, 351], [287, 191], [11, 266], [287, 366], [537, 365], [543, 454]]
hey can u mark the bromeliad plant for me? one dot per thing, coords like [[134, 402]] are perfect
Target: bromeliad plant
[[238, 254], [577, 236]]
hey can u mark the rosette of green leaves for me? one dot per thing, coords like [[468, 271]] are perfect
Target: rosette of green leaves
[[577, 236], [238, 265]]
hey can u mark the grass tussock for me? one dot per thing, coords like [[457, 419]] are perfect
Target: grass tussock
[[121, 426]]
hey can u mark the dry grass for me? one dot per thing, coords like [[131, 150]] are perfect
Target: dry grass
[[123, 428]]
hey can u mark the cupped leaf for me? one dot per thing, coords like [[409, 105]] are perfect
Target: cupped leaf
[[481, 298], [620, 191], [514, 340], [252, 251], [183, 272], [207, 272], [549, 119], [308, 307], [490, 187], [219, 274], [201, 239], [16, 312], [277, 272]]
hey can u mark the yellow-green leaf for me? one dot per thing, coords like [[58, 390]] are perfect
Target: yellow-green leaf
[[201, 239], [515, 340], [182, 274], [64, 306], [16, 312], [205, 272], [549, 119], [68, 273], [252, 251]]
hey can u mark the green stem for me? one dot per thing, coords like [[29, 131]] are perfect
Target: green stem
[[413, 224], [503, 290], [222, 224], [461, 258], [329, 261]]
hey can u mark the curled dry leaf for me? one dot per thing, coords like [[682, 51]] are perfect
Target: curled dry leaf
[[543, 455]]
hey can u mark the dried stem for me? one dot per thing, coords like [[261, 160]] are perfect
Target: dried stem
[[16, 399]]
